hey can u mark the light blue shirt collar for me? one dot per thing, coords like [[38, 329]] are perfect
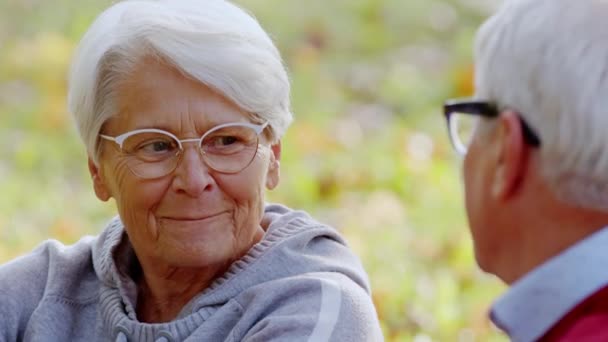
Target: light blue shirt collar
[[542, 297]]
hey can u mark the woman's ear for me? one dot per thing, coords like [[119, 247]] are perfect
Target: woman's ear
[[274, 166], [101, 189]]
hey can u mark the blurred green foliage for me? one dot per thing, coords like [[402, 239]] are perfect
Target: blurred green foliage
[[367, 153]]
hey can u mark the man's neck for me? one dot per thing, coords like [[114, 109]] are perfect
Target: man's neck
[[547, 233]]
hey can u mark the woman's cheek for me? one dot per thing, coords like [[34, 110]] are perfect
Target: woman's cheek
[[134, 196]]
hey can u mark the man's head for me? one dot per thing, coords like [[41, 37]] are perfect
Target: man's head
[[542, 71]]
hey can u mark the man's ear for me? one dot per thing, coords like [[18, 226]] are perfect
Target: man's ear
[[512, 156], [274, 166], [101, 189]]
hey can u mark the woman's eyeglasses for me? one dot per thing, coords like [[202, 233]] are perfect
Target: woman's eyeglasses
[[463, 117], [154, 153]]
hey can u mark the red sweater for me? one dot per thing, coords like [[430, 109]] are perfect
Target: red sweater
[[588, 321]]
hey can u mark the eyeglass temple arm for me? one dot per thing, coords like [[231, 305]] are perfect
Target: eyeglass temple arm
[[489, 110]]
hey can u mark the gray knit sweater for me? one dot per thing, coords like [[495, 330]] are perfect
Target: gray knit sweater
[[300, 283]]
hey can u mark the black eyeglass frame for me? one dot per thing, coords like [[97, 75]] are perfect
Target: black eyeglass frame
[[488, 110]]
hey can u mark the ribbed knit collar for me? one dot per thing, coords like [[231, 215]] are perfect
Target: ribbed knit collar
[[117, 299]]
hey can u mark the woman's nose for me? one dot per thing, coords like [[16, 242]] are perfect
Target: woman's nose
[[192, 175]]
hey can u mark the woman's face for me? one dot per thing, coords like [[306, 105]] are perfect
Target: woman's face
[[194, 216]]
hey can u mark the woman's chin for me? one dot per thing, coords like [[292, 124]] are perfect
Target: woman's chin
[[198, 243]]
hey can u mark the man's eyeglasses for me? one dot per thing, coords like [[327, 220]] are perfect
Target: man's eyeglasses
[[463, 116], [154, 153]]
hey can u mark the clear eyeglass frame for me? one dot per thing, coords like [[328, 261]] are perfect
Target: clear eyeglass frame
[[157, 169]]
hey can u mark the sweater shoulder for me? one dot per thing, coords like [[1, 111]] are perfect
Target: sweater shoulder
[[51, 269], [304, 245], [22, 283], [320, 306]]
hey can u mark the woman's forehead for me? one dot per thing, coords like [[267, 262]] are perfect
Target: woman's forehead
[[158, 97], [175, 122]]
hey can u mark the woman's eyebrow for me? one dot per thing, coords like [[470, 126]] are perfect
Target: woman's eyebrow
[[163, 127], [200, 128]]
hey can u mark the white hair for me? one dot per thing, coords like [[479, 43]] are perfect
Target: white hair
[[211, 41], [548, 60]]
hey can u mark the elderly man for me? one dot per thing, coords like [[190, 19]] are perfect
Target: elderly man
[[535, 147]]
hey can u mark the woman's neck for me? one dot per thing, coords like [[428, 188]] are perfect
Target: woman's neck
[[163, 293]]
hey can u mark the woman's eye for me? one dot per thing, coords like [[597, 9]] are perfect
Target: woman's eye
[[160, 146], [157, 146], [225, 141]]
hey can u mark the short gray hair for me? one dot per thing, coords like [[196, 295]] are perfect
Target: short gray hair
[[212, 41], [548, 59]]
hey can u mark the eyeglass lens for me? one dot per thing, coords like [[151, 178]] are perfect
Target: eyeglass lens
[[462, 129], [155, 154]]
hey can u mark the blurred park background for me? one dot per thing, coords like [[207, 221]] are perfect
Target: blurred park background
[[367, 153]]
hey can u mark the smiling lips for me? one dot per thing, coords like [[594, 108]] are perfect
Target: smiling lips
[[193, 218]]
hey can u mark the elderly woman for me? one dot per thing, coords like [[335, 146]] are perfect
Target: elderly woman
[[181, 105]]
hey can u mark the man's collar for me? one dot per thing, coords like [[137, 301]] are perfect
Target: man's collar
[[536, 302]]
